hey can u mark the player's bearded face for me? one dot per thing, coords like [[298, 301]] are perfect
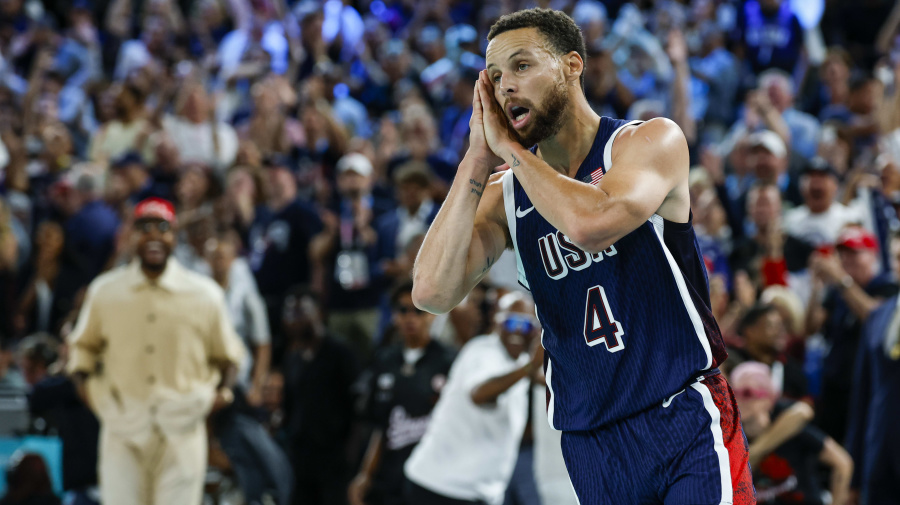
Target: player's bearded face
[[546, 115]]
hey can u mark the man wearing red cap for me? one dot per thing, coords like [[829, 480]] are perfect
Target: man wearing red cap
[[152, 354], [858, 286]]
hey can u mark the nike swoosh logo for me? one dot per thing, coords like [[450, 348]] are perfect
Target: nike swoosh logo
[[522, 213], [668, 401]]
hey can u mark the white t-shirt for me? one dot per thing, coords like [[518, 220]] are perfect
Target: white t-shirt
[[469, 451], [820, 229], [195, 142]]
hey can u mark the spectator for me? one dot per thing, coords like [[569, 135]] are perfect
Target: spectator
[[716, 67], [482, 411], [269, 127], [160, 378], [92, 229], [247, 312], [39, 309], [834, 82], [318, 402], [855, 288], [770, 35], [12, 382], [28, 482], [790, 473], [406, 380], [858, 120], [195, 190], [199, 136], [768, 161], [762, 247], [820, 219], [347, 247], [127, 131], [153, 45], [136, 180], [413, 216], [279, 240], [244, 197], [764, 338], [804, 128], [54, 399]]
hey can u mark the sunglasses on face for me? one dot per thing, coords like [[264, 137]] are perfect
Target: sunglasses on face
[[148, 226], [518, 324], [752, 393]]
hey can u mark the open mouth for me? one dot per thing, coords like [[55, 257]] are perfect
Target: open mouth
[[518, 116]]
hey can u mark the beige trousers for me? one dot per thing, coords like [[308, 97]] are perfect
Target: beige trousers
[[159, 470]]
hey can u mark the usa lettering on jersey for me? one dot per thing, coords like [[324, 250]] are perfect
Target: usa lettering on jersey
[[560, 255]]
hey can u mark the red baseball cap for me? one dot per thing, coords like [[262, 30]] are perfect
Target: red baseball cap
[[857, 238], [155, 208]]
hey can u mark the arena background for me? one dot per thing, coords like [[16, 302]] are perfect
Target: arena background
[[311, 142]]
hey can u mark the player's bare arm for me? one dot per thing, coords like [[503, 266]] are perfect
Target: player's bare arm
[[469, 233], [650, 176]]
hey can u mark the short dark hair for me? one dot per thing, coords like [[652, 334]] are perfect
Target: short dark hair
[[41, 348], [753, 316], [404, 288], [300, 291], [559, 29]]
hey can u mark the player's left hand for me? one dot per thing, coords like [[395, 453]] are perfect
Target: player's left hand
[[496, 126]]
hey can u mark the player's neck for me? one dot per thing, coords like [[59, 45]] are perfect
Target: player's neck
[[566, 150]]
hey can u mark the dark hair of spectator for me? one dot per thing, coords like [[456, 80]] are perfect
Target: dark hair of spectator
[[55, 76], [301, 291], [27, 478], [841, 54], [404, 288], [136, 92], [753, 316], [560, 30], [40, 348], [860, 81]]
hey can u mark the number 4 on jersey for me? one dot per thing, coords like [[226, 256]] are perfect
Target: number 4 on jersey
[[599, 325]]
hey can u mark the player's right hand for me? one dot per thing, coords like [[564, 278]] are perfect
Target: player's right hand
[[479, 151]]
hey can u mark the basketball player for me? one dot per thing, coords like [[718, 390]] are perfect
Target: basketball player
[[598, 214]]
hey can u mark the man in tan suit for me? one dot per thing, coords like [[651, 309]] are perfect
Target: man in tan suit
[[153, 353]]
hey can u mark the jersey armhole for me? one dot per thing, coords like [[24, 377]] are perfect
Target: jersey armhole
[[509, 204], [607, 149]]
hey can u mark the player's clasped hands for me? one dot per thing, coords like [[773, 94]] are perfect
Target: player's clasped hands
[[488, 125]]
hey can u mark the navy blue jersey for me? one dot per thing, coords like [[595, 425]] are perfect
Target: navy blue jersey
[[624, 329]]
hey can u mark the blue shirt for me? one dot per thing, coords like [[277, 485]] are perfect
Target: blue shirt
[[92, 233], [772, 40], [873, 439]]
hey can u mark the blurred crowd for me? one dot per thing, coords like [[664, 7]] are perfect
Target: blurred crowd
[[307, 146]]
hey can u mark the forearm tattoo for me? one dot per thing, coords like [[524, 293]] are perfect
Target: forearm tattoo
[[477, 187]]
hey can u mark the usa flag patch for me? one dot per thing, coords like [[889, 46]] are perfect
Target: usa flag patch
[[594, 177]]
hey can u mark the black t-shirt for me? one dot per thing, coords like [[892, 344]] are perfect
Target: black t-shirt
[[280, 243], [789, 476], [56, 400], [318, 403], [400, 400]]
